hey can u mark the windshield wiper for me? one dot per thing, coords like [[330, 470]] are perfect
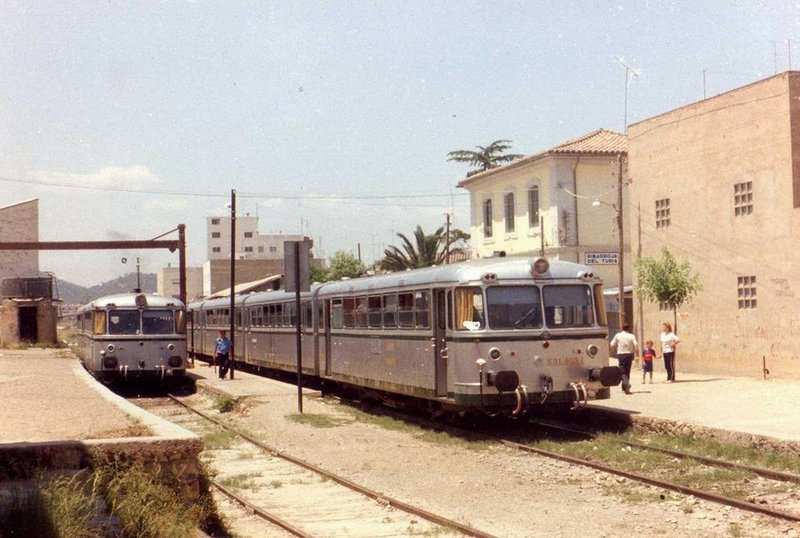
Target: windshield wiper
[[517, 323]]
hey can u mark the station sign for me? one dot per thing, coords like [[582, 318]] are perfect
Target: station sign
[[602, 258]]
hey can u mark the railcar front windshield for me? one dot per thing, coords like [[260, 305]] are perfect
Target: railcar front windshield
[[123, 322], [514, 307], [568, 306], [158, 322]]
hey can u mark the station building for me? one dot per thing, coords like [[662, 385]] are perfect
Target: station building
[[28, 311], [717, 182], [563, 203]]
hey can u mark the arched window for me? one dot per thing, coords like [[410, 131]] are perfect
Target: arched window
[[509, 207], [533, 206], [487, 218]]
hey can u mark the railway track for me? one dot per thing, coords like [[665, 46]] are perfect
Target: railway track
[[295, 495], [777, 476]]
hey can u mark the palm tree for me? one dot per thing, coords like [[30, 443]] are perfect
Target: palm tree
[[424, 254], [485, 158], [429, 250]]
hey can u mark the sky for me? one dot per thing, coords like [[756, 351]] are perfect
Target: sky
[[331, 119]]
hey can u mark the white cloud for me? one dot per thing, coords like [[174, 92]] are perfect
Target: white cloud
[[116, 176]]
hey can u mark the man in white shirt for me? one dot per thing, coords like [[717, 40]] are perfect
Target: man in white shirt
[[627, 347]]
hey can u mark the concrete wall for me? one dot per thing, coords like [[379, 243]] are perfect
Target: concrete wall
[[19, 222], [695, 156], [46, 320], [168, 282]]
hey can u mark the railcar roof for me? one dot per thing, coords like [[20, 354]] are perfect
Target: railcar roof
[[128, 300], [508, 268]]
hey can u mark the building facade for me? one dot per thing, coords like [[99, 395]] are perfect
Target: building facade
[[250, 245], [19, 222], [168, 282], [563, 203], [717, 182]]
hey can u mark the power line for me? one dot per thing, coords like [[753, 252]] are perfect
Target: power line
[[328, 197]]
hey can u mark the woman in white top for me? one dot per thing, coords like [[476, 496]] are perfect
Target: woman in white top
[[668, 342]]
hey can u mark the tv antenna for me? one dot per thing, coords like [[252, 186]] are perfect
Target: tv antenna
[[630, 74]]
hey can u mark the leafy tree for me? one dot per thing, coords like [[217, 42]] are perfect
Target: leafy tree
[[426, 250], [343, 264], [666, 280], [486, 157]]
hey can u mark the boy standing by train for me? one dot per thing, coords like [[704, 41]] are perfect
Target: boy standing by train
[[222, 349]]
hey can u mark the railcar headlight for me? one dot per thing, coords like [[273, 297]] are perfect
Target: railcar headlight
[[494, 353], [592, 350], [110, 348], [540, 266], [171, 347]]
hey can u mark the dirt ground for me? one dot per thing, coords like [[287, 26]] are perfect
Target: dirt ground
[[497, 489]]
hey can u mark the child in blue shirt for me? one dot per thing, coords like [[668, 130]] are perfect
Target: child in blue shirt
[[648, 354]]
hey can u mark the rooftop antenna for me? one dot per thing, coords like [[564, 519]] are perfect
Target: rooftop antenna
[[628, 72]]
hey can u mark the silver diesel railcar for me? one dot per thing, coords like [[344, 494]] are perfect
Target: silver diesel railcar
[[498, 334], [132, 335]]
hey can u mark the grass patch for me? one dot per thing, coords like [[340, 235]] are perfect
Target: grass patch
[[218, 440], [124, 500], [242, 481], [225, 404], [318, 421], [633, 495]]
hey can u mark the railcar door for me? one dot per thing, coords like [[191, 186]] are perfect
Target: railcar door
[[440, 341]]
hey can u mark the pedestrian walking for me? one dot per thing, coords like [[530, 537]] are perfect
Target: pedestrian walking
[[222, 350], [648, 354], [668, 342], [627, 346]]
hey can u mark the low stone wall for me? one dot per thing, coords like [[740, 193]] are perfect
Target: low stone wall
[[178, 457]]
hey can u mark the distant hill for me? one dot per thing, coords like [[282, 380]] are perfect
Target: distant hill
[[74, 294]]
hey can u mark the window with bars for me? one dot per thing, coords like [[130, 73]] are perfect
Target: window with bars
[[746, 289], [533, 207], [215, 235], [214, 221], [248, 235], [662, 213], [743, 198], [509, 203], [216, 249], [487, 218], [248, 249]]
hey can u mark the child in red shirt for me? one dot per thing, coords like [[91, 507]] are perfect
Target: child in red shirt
[[648, 354]]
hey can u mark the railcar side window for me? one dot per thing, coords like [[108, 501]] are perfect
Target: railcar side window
[[514, 307], [180, 321], [361, 312], [375, 311], [158, 322], [406, 310], [599, 305], [469, 309], [350, 312], [422, 308], [99, 318], [123, 322], [568, 306], [337, 314], [390, 311]]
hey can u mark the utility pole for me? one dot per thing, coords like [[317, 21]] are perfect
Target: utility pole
[[447, 241], [233, 278], [621, 264]]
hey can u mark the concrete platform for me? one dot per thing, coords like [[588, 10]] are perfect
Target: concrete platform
[[750, 406], [54, 415]]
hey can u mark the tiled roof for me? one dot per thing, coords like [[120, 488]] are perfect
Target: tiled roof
[[599, 142]]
